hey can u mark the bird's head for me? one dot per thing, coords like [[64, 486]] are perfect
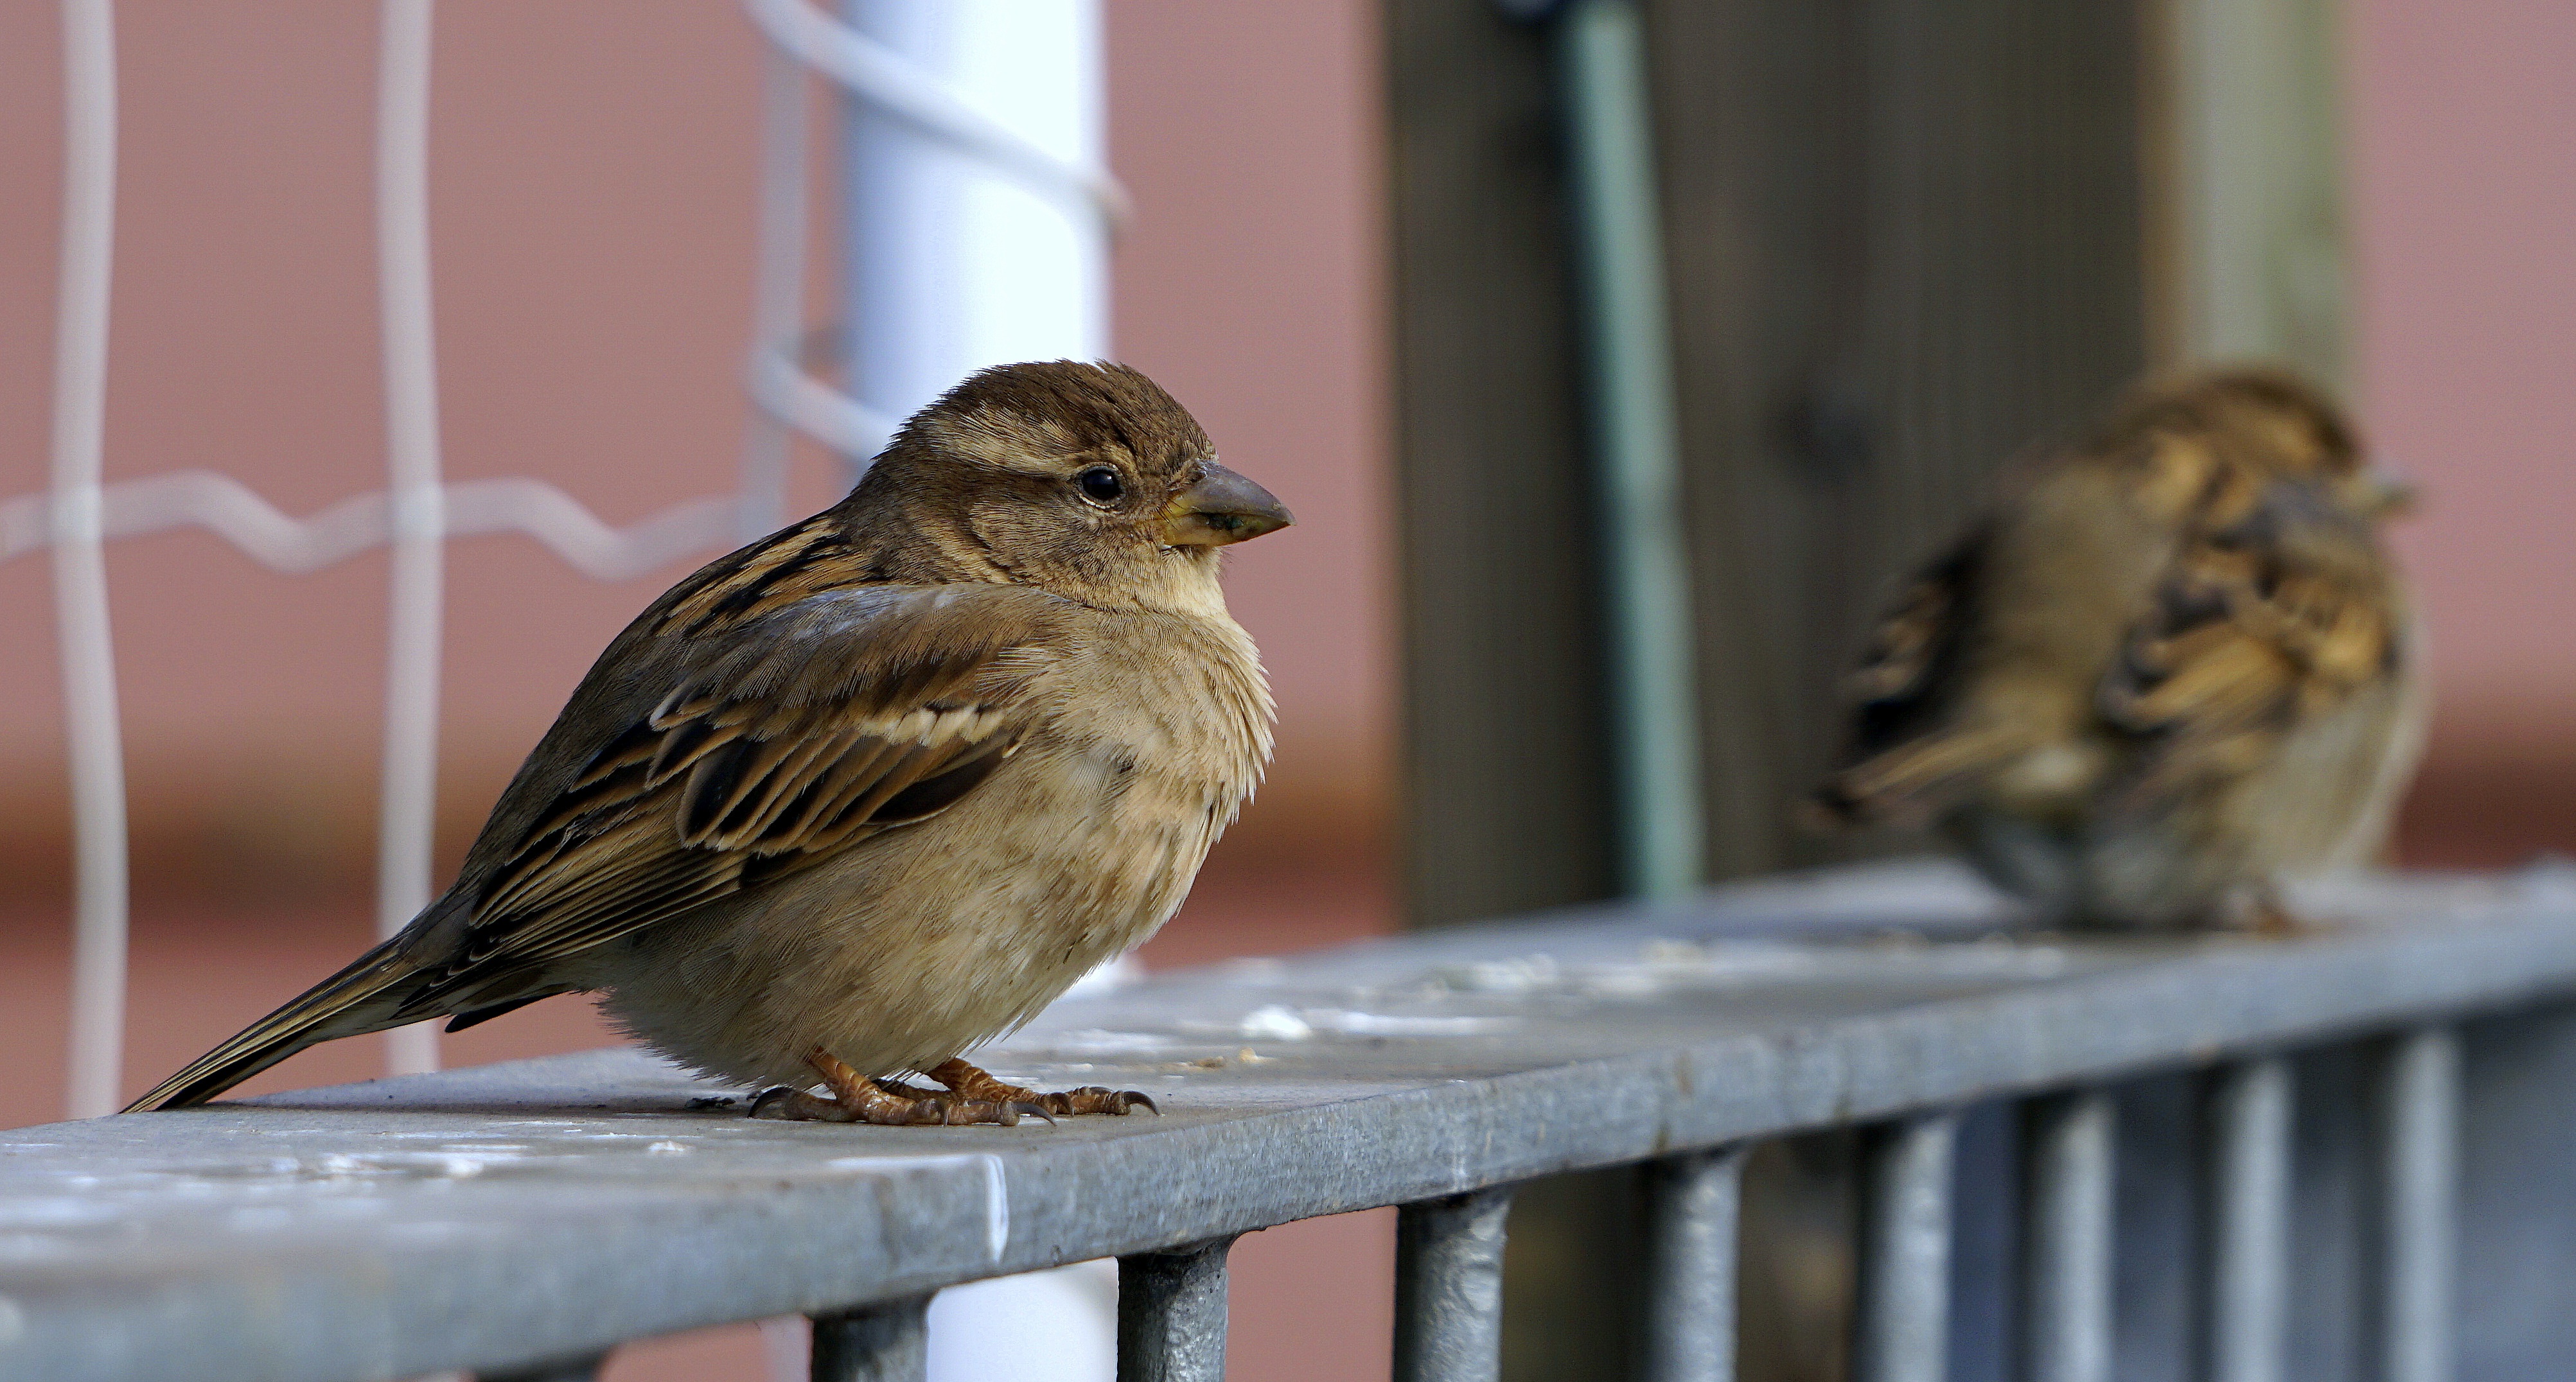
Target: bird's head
[[1085, 480], [2273, 424]]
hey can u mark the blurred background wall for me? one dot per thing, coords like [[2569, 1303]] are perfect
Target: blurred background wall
[[2462, 183], [593, 203]]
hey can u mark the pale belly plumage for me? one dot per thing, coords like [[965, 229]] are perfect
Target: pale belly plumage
[[933, 937]]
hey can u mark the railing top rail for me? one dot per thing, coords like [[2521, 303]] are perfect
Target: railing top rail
[[484, 1217]]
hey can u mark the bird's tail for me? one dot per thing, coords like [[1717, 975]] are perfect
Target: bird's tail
[[1912, 780], [365, 997]]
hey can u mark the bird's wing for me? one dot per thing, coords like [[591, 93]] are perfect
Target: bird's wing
[[848, 714], [1899, 748], [2263, 625]]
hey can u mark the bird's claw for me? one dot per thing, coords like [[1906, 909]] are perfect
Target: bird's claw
[[1094, 1099], [938, 1110], [889, 1108], [886, 1103], [966, 1079]]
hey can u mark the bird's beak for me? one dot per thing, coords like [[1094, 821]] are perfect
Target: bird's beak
[[1222, 507]]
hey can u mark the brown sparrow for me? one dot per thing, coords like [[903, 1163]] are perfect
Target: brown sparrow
[[876, 787], [2171, 664]]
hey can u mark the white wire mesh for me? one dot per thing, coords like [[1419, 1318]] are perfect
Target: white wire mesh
[[415, 515], [418, 512]]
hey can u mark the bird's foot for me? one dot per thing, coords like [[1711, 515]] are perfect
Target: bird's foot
[[858, 1099], [972, 1083]]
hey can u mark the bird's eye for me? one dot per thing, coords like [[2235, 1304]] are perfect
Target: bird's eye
[[1100, 485]]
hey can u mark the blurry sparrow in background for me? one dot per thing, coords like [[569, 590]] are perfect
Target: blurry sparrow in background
[[2170, 665], [874, 788]]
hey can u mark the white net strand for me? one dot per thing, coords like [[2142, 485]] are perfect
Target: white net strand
[[866, 70], [76, 514], [778, 290], [418, 513], [234, 512]]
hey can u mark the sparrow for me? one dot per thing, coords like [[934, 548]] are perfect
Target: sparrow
[[876, 787], [2170, 666]]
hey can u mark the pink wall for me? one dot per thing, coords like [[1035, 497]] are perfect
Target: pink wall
[[592, 195], [2463, 171]]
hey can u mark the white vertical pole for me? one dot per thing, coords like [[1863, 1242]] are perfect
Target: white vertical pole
[[80, 568], [416, 501], [953, 265]]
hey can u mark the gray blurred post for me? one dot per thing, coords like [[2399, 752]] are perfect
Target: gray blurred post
[[1171, 1314], [1904, 1326], [2250, 1216], [2420, 1180], [2066, 1272], [2252, 189], [888, 1342], [582, 1369], [1692, 1217], [1449, 1288]]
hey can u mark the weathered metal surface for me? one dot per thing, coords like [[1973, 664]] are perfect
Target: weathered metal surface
[[582, 1369], [1693, 1213], [1904, 1327], [2066, 1278], [1171, 1314], [2249, 1269], [1449, 1287], [488, 1218], [2420, 1179], [886, 1342]]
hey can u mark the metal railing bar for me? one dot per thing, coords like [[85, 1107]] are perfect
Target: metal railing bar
[[1171, 1314], [416, 500], [76, 522], [1904, 1308], [643, 1244], [2248, 1276], [878, 1343], [585, 1368], [2067, 1264], [2420, 1179], [1449, 1287], [1693, 1211]]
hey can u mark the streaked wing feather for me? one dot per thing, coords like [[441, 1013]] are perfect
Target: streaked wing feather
[[2259, 627], [821, 728]]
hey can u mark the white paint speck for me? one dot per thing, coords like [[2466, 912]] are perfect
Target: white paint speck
[[1275, 1022]]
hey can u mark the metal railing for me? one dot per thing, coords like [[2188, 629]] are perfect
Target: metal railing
[[522, 1219]]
